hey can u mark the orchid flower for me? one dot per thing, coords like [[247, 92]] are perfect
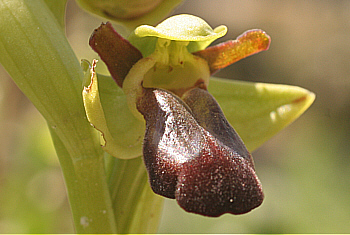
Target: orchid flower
[[166, 107], [111, 195]]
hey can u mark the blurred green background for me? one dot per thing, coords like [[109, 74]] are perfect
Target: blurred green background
[[305, 169]]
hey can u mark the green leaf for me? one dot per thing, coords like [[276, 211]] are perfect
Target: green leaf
[[258, 111], [137, 209]]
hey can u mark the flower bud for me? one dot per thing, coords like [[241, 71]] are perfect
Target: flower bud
[[130, 13]]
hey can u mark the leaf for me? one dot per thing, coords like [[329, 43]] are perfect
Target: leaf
[[258, 111], [37, 55]]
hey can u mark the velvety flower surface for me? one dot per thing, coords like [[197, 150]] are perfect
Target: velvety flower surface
[[200, 161], [190, 150]]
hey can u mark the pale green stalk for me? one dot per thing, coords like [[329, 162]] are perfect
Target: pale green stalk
[[35, 52]]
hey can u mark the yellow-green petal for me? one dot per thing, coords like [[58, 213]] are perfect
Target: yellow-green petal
[[178, 28], [258, 111], [107, 110], [182, 28]]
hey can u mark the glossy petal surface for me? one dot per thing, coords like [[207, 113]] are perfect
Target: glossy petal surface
[[207, 173], [218, 182]]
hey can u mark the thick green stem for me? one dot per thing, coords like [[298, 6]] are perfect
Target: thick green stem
[[35, 52], [87, 191], [137, 208], [58, 8]]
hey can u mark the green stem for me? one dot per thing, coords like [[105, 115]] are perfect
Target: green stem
[[87, 191], [136, 206], [58, 8], [35, 52]]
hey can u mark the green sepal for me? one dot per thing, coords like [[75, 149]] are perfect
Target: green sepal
[[107, 110], [258, 111]]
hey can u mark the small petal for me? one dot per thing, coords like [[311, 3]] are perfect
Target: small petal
[[224, 54], [182, 28], [118, 53]]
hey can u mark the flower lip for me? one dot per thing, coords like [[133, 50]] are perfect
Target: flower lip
[[203, 164], [182, 28]]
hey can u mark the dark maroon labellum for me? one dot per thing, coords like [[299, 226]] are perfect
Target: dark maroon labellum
[[192, 154]]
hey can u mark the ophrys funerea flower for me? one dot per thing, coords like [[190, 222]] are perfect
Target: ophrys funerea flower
[[190, 150]]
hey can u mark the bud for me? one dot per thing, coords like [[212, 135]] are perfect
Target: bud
[[130, 13]]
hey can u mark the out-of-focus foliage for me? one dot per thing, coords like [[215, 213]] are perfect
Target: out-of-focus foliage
[[304, 169]]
